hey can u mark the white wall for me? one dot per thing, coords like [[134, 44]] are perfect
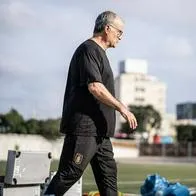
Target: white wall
[[29, 143], [39, 143]]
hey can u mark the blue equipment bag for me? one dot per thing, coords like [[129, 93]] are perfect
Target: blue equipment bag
[[176, 189], [155, 185]]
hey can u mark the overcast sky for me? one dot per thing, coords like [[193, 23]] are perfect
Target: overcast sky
[[38, 38]]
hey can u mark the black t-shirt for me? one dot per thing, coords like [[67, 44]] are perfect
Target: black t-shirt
[[83, 114]]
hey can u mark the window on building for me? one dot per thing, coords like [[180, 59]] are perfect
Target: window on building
[[139, 99], [139, 89]]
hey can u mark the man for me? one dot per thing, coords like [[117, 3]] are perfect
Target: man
[[88, 118]]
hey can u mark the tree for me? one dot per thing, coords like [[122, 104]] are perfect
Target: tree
[[3, 124], [186, 132], [147, 118], [14, 122], [49, 128], [32, 126]]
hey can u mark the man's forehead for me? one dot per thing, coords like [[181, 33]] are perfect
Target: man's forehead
[[118, 21]]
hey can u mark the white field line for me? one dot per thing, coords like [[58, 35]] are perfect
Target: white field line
[[139, 182]]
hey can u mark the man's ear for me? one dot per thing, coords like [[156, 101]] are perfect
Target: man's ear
[[107, 29]]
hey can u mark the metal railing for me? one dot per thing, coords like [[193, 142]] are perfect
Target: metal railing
[[178, 149]]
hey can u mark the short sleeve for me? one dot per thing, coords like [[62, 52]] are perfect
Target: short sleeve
[[90, 66]]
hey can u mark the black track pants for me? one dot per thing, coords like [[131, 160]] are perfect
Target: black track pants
[[77, 152]]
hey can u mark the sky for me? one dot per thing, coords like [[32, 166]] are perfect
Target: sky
[[38, 38]]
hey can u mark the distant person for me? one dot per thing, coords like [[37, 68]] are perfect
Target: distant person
[[88, 117], [156, 139]]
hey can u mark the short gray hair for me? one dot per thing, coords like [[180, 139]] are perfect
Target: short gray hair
[[103, 19]]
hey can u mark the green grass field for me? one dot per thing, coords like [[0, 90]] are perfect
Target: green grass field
[[131, 176]]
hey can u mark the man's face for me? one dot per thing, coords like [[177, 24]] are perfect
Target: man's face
[[114, 32]]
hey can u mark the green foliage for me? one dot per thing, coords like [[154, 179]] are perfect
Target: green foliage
[[13, 122], [186, 132], [32, 126], [147, 118], [50, 128]]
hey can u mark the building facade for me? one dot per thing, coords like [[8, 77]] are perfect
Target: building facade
[[134, 86], [141, 89], [186, 111]]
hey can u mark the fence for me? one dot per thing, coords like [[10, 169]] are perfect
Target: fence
[[176, 149]]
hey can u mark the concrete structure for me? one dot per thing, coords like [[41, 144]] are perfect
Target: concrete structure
[[134, 86], [133, 66], [38, 143], [168, 125], [25, 142], [141, 89]]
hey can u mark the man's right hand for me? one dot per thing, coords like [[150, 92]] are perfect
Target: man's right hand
[[129, 116]]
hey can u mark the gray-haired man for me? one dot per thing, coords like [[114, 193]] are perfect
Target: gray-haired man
[[88, 118]]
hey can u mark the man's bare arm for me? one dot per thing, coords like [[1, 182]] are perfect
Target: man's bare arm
[[102, 94]]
